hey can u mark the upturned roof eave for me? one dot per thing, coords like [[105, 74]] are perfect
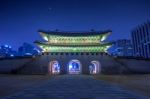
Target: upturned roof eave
[[72, 45], [70, 33]]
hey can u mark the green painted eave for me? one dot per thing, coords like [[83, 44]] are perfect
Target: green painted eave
[[73, 48], [70, 39]]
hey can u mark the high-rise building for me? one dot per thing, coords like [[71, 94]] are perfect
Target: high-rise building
[[141, 40], [122, 47]]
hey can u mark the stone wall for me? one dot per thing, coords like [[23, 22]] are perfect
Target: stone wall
[[10, 65], [135, 65], [40, 64]]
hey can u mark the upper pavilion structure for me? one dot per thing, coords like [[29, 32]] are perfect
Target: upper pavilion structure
[[61, 41]]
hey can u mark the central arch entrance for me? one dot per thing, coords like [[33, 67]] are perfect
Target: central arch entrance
[[74, 67]]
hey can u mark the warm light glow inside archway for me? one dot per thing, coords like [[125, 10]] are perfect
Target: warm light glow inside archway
[[54, 67], [95, 67]]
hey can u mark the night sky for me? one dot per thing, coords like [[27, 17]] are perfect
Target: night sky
[[21, 19]]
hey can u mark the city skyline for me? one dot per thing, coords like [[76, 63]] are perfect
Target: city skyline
[[20, 20]]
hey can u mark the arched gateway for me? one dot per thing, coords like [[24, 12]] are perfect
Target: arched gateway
[[54, 67], [95, 67], [74, 67]]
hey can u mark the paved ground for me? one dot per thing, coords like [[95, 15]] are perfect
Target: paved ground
[[74, 87], [10, 84], [139, 83]]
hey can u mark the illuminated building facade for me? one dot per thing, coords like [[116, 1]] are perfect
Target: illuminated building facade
[[77, 44], [141, 40]]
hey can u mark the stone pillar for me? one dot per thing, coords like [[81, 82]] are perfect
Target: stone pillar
[[85, 64], [63, 64]]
